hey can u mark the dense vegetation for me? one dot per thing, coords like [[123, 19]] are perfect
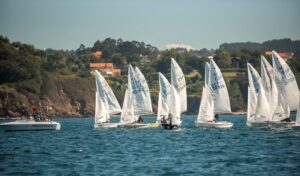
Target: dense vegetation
[[49, 74]]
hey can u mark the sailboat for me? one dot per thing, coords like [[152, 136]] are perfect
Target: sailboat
[[176, 99], [137, 100], [174, 119], [288, 92], [163, 99], [106, 103], [258, 112], [215, 98]]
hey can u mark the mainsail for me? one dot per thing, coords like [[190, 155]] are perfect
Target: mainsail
[[219, 90], [163, 97], [106, 94], [139, 92], [298, 115], [178, 81], [258, 106], [269, 85], [127, 114], [285, 81], [206, 109], [106, 102], [175, 106], [101, 115]]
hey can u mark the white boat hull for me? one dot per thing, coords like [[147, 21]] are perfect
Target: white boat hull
[[270, 124], [135, 125], [257, 124], [296, 127], [29, 126], [218, 124], [281, 124], [106, 125]]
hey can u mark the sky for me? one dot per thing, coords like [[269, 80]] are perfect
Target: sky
[[65, 24]]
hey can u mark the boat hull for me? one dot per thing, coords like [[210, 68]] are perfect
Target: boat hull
[[281, 124], [134, 125], [30, 126], [169, 127], [218, 124], [270, 124], [106, 125], [257, 124], [296, 127]]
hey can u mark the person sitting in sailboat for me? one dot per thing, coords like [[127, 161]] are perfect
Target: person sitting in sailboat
[[216, 117], [164, 120], [140, 120]]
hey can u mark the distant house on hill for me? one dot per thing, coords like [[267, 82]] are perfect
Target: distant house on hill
[[285, 55], [97, 54], [107, 69]]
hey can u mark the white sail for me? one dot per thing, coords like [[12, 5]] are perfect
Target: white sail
[[206, 109], [298, 115], [101, 114], [106, 94], [256, 97], [139, 91], [178, 81], [175, 106], [218, 89], [254, 78], [251, 104], [206, 74], [282, 111], [262, 112], [268, 82], [127, 114], [285, 81], [163, 97]]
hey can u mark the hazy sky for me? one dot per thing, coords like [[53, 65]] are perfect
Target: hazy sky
[[65, 24]]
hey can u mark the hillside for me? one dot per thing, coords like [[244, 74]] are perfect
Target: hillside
[[59, 82]]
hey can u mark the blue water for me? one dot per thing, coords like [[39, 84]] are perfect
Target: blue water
[[79, 149]]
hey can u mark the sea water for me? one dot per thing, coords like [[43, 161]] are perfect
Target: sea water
[[79, 149]]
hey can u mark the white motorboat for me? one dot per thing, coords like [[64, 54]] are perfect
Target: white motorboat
[[29, 125]]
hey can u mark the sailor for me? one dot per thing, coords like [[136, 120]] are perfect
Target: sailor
[[216, 117], [286, 120], [164, 120], [140, 120]]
